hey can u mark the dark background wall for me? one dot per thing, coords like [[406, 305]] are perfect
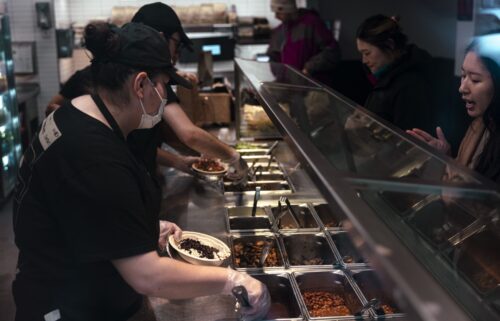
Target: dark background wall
[[431, 24]]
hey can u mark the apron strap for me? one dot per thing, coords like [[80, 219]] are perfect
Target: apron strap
[[105, 112]]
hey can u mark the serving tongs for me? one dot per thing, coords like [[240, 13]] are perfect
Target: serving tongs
[[373, 303], [256, 198], [282, 213], [270, 153], [241, 295], [272, 148], [265, 252], [479, 225], [252, 175]]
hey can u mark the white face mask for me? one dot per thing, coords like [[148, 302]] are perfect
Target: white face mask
[[149, 121]]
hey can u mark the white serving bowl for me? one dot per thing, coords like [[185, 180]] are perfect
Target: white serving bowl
[[205, 239]]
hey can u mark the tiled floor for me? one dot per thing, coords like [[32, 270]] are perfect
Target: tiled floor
[[8, 259]]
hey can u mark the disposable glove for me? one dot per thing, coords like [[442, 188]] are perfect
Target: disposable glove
[[167, 228], [238, 169], [258, 295]]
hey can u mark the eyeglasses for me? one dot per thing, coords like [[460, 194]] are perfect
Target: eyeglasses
[[178, 43]]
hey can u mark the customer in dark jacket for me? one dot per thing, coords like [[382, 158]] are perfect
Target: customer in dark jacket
[[401, 92]]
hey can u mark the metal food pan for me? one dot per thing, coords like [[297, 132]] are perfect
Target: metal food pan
[[335, 282], [252, 152], [250, 187], [284, 304], [264, 175], [306, 219], [327, 218], [477, 260], [273, 167], [260, 158], [403, 202], [242, 252], [439, 221], [239, 219], [346, 251], [262, 192], [371, 288], [308, 250]]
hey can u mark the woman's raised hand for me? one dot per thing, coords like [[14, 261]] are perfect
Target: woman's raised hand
[[440, 143]]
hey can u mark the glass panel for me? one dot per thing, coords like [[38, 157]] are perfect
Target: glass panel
[[254, 121], [354, 142], [264, 72], [456, 234]]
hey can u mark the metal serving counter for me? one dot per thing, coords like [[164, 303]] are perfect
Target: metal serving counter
[[427, 225], [360, 221]]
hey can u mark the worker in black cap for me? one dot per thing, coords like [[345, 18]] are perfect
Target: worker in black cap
[[164, 19], [86, 211], [144, 143]]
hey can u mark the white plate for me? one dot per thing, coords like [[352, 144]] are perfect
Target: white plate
[[205, 239], [222, 172]]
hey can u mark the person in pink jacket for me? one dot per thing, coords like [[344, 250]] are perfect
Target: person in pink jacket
[[302, 40]]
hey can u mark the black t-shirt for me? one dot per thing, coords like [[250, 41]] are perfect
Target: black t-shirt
[[82, 200], [142, 142]]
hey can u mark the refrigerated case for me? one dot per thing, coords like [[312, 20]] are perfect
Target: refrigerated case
[[9, 117], [427, 225]]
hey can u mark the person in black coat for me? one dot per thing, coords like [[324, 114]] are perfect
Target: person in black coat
[[398, 71]]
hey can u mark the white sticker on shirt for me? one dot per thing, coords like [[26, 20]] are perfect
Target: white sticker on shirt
[[53, 316], [49, 132]]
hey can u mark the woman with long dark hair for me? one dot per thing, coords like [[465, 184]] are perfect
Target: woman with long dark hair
[[480, 90]]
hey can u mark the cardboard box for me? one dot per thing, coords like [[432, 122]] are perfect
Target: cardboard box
[[216, 108]]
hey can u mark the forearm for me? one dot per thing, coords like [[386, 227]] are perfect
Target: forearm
[[206, 144], [169, 159], [195, 137], [167, 278]]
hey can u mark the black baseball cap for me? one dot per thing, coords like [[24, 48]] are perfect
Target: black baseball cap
[[163, 18], [143, 47]]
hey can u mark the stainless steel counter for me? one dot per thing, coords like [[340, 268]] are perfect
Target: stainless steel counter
[[199, 205], [194, 205]]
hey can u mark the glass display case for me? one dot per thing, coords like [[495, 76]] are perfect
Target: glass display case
[[427, 225], [10, 142]]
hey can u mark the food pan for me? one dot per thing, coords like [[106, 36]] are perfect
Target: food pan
[[307, 250], [437, 221], [334, 286], [264, 175], [402, 202], [347, 253], [371, 288], [252, 152], [239, 219], [284, 304], [304, 216], [246, 250], [326, 216], [250, 186], [479, 261]]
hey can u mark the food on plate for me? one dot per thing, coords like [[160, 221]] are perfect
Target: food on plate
[[209, 165], [325, 304], [203, 251]]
